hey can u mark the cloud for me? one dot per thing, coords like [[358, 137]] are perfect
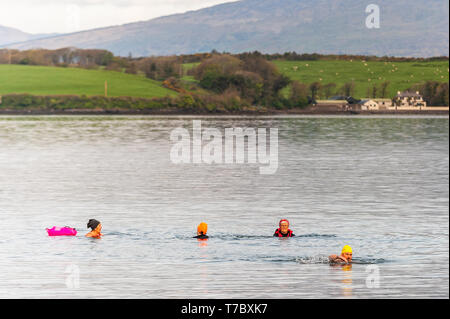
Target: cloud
[[63, 16]]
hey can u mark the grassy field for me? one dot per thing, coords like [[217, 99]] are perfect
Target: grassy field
[[39, 80], [186, 68], [401, 75]]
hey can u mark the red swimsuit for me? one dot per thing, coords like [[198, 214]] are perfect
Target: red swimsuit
[[278, 233]]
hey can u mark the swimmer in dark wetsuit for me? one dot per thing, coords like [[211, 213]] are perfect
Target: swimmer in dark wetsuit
[[96, 228], [345, 257], [202, 229], [284, 230]]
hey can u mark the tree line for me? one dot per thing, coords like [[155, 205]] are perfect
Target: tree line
[[60, 57], [94, 57], [434, 93]]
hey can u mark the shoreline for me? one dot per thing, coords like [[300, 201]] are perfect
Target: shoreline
[[179, 112]]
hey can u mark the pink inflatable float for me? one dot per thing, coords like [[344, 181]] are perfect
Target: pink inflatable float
[[61, 231]]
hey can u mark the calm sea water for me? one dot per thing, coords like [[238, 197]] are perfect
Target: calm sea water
[[379, 184]]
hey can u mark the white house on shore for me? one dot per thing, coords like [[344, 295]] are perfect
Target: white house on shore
[[409, 99], [368, 105], [402, 101], [384, 104], [375, 104]]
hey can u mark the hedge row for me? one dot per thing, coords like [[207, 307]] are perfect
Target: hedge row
[[227, 103], [66, 102]]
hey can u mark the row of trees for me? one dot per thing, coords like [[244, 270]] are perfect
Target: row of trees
[[225, 103], [317, 90], [380, 91], [92, 57], [434, 93], [61, 57], [158, 68], [294, 56]]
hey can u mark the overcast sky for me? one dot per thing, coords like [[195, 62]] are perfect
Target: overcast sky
[[62, 16]]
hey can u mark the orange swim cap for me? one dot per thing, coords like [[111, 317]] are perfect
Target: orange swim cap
[[202, 229]]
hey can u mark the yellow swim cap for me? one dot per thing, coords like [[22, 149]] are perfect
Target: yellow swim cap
[[202, 228], [347, 249]]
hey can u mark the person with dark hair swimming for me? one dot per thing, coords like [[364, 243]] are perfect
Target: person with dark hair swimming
[[283, 230], [202, 231], [345, 257], [96, 228]]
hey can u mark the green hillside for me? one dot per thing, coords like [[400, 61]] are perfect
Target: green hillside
[[401, 75], [40, 80]]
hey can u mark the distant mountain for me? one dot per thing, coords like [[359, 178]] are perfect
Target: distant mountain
[[11, 35], [408, 28]]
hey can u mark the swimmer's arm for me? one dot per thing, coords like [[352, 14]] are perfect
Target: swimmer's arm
[[332, 258], [336, 258], [343, 259]]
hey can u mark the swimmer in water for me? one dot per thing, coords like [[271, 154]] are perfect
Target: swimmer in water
[[346, 256], [202, 230], [283, 230], [96, 228]]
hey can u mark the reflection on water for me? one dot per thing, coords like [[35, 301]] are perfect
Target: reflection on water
[[202, 242], [347, 281], [379, 184]]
